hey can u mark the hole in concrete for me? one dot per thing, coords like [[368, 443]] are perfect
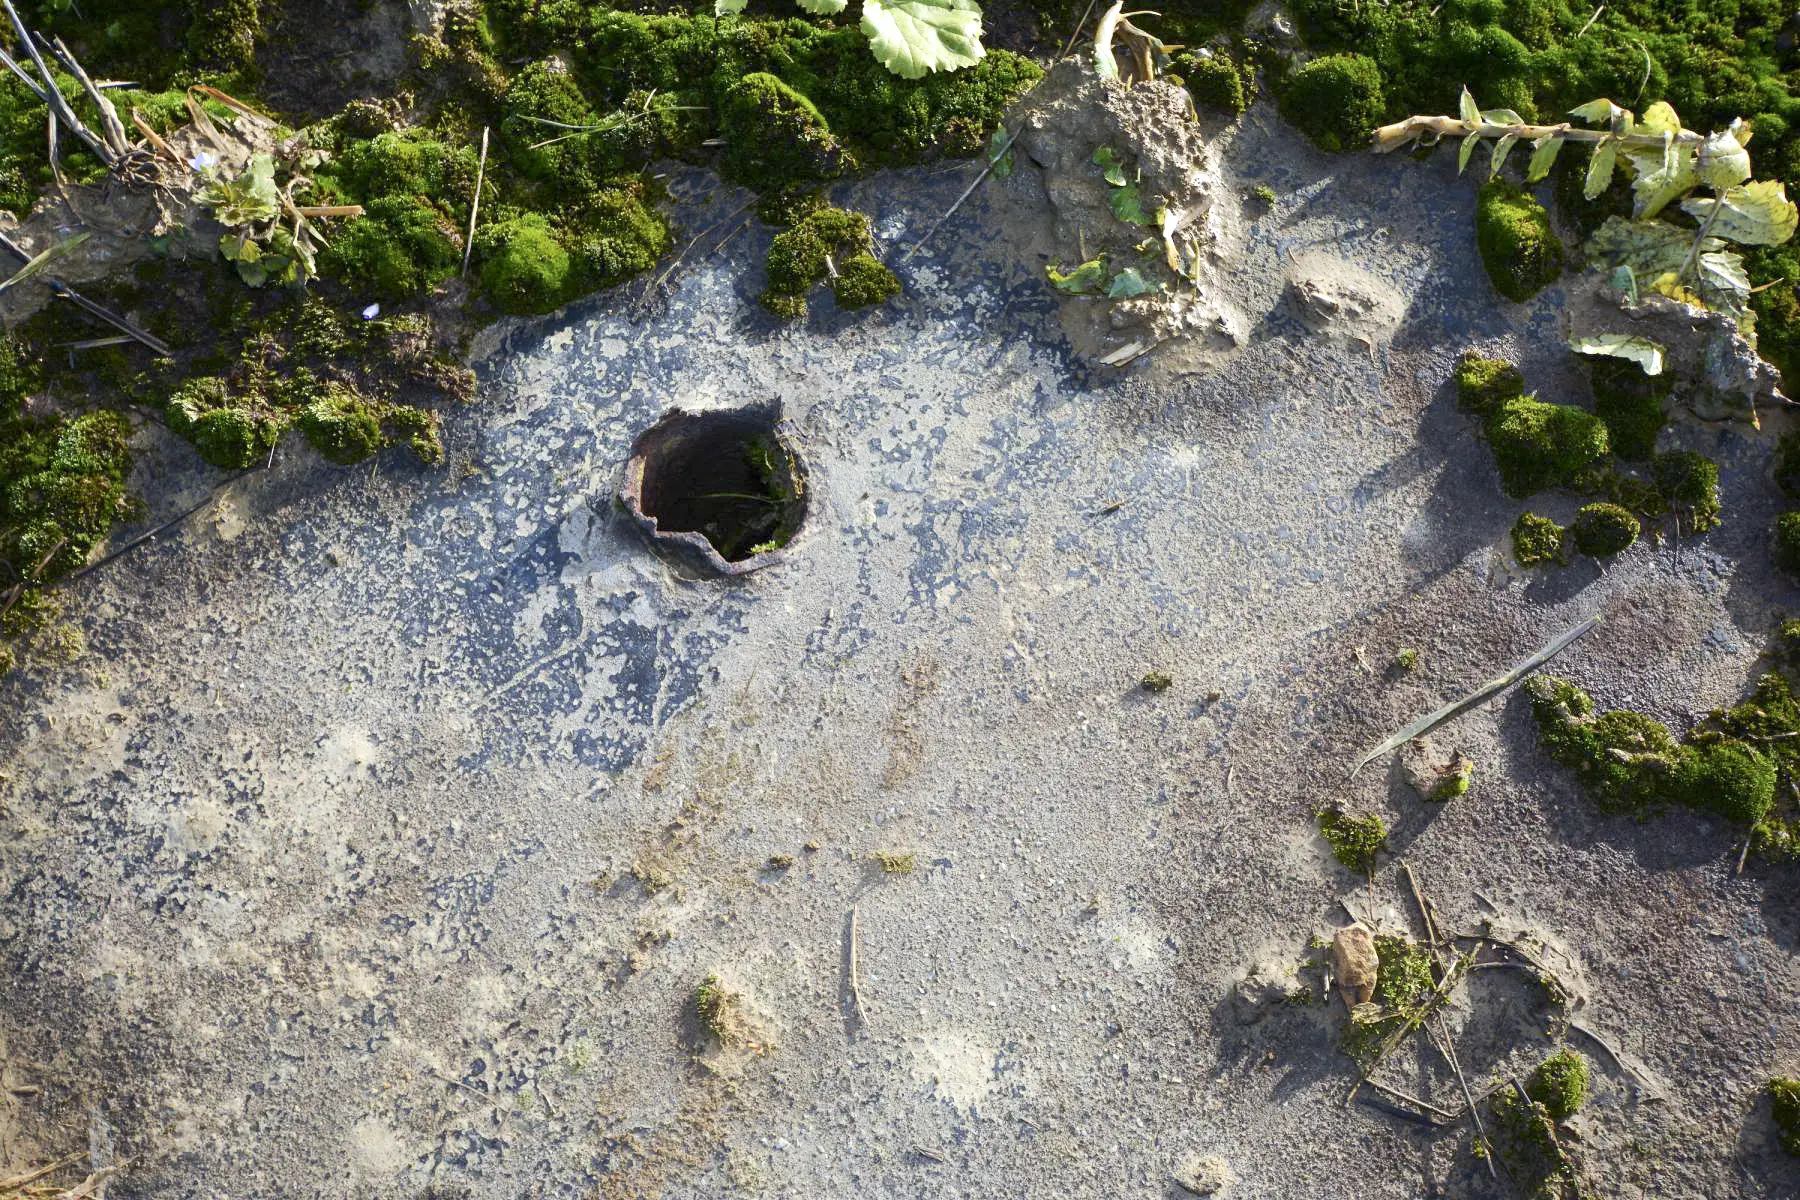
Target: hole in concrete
[[721, 488]]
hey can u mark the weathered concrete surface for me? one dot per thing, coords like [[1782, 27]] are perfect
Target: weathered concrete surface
[[320, 871]]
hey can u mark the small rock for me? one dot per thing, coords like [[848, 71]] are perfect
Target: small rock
[[1434, 776], [1268, 984], [1354, 962], [1205, 1175]]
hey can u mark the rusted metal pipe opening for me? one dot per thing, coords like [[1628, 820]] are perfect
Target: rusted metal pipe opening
[[720, 489]]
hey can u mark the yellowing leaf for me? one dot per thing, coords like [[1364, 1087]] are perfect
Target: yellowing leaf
[[1467, 152], [1642, 351], [1600, 169], [1502, 148], [1596, 112], [1660, 118], [1754, 214], [725, 8], [1471, 112], [1502, 116], [823, 8], [912, 38], [1723, 162], [1663, 175]]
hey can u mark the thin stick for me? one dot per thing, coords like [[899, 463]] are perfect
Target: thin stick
[[1400, 133], [1076, 32], [1397, 1094], [1449, 1051], [1743, 855], [135, 542], [1590, 22], [1431, 933], [856, 1000], [967, 192], [52, 95], [1480, 695], [1405, 1114], [19, 1181], [68, 293], [109, 115], [475, 204]]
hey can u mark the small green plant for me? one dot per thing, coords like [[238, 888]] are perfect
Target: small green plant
[[911, 38], [1602, 530], [1156, 681], [1355, 841], [895, 863], [1784, 1101], [721, 1013], [1689, 483], [1539, 541], [1484, 384], [1405, 993], [1264, 195], [1560, 1084], [267, 236], [1406, 659]]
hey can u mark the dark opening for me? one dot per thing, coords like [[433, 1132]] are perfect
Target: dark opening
[[725, 476]]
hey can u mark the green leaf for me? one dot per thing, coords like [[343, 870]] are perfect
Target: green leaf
[[1660, 118], [1656, 252], [1467, 152], [823, 8], [1640, 350], [912, 38], [1596, 112], [1471, 112], [43, 258], [1502, 148], [1502, 116], [1723, 162], [1112, 168], [1543, 157], [726, 8], [1129, 283], [1128, 206], [1000, 153], [1600, 169], [1754, 214], [1663, 175], [1085, 280]]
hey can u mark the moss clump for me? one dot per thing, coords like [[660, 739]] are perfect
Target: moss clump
[[1784, 548], [1784, 1102], [546, 111], [400, 248], [1526, 1141], [1689, 482], [1336, 100], [613, 234], [229, 431], [775, 137], [1539, 541], [721, 1013], [1454, 780], [802, 257], [1218, 81], [524, 268], [406, 163], [1354, 841], [1726, 777], [341, 426], [1631, 404], [1404, 992], [1406, 659], [894, 863], [1560, 1084], [1602, 530], [222, 34], [1521, 252], [1484, 384], [1157, 681], [1539, 445], [62, 489]]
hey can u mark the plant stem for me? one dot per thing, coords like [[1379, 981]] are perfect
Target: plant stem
[[1392, 137], [1700, 238]]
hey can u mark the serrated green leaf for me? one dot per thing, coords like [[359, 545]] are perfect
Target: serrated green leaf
[[1663, 175], [1624, 282], [1543, 157], [1112, 168], [1471, 112], [1085, 280], [1502, 148], [1595, 112], [1467, 152], [1128, 283], [823, 8], [1640, 350], [726, 8], [1600, 169], [1128, 206], [1660, 118], [1722, 161], [1754, 214], [1502, 116], [1000, 152], [1655, 250], [912, 38]]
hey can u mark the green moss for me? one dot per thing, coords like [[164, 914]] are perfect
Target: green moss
[[1689, 482], [1354, 841], [1539, 445], [228, 431], [1156, 682], [1784, 1103], [1539, 541], [399, 249], [1216, 80], [894, 863], [1560, 1084], [1525, 1140], [1336, 101], [775, 137], [1483, 384], [61, 492], [801, 258], [1602, 530], [1623, 758], [1403, 980], [524, 268], [613, 234], [342, 426], [1455, 781], [223, 34], [418, 429], [1631, 404], [1406, 659], [1785, 546], [1521, 252], [546, 111], [409, 163], [1726, 777], [861, 281]]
